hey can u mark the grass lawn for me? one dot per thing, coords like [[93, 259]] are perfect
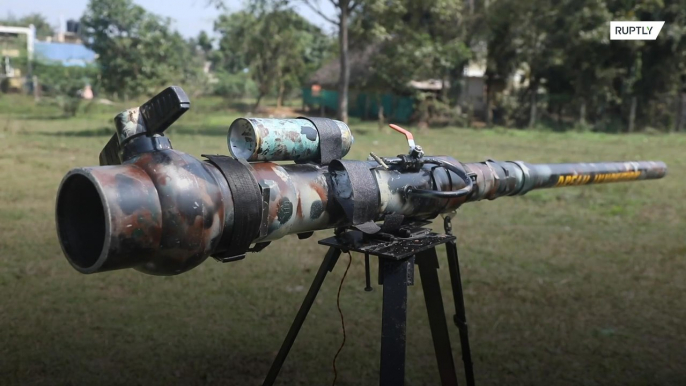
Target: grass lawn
[[579, 285]]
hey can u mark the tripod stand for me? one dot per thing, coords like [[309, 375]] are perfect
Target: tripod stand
[[397, 257]]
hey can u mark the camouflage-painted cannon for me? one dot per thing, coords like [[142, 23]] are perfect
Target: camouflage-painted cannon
[[163, 212]]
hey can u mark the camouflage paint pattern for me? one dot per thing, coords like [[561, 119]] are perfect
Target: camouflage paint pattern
[[129, 123], [303, 187], [301, 199], [132, 217], [262, 139], [165, 212]]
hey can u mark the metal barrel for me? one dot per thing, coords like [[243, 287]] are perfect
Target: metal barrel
[[495, 179], [164, 212]]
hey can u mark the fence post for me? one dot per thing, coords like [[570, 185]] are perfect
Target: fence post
[[36, 90]]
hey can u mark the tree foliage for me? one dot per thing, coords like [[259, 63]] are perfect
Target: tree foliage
[[275, 45], [138, 52], [40, 23], [416, 41], [63, 84], [544, 61], [572, 69]]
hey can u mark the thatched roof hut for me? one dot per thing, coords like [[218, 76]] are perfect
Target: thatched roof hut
[[362, 75], [368, 92], [361, 72]]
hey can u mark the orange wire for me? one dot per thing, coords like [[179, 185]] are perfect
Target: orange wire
[[399, 129]]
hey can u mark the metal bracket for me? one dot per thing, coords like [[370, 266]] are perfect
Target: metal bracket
[[229, 259]]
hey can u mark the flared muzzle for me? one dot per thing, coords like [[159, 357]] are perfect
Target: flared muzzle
[[108, 218], [162, 214]]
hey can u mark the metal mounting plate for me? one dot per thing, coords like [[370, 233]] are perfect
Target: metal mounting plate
[[390, 247]]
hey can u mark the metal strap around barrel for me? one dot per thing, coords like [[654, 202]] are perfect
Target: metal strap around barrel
[[247, 207], [330, 141], [363, 204]]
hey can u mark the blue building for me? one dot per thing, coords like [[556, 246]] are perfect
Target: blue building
[[67, 54]]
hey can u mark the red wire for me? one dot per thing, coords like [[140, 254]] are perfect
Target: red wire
[[340, 312]]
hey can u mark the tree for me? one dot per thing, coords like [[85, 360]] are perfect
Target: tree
[[234, 30], [345, 9], [659, 69], [204, 42], [274, 44], [40, 23], [64, 83], [564, 50], [416, 40], [43, 28], [585, 82], [246, 44], [138, 52]]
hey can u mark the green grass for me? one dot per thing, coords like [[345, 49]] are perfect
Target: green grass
[[581, 285]]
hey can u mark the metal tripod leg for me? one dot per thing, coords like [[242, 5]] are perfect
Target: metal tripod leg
[[428, 266], [327, 266], [460, 314], [395, 276]]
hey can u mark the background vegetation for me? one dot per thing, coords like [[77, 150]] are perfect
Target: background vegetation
[[546, 62], [567, 286]]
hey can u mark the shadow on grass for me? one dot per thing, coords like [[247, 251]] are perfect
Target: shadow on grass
[[101, 132], [211, 364], [240, 106], [169, 357], [39, 117], [209, 130]]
